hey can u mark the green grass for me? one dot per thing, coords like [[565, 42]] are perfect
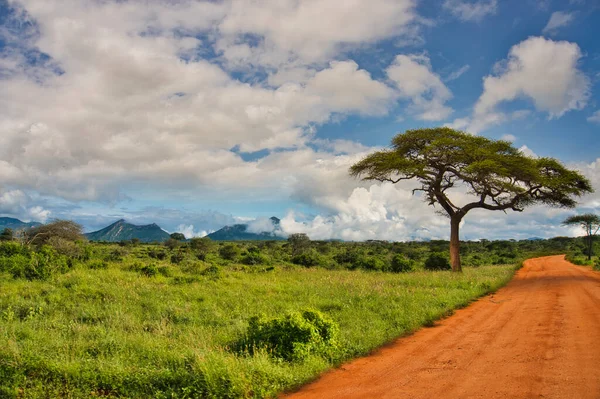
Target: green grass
[[117, 333]]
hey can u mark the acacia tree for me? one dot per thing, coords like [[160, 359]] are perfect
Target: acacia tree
[[590, 223], [499, 176]]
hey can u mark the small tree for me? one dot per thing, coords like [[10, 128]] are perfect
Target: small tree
[[201, 246], [590, 223], [299, 242], [58, 229], [499, 176]]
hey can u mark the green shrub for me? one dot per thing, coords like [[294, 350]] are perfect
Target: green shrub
[[597, 264], [437, 261], [213, 271], [254, 258], [97, 264], [10, 248], [157, 253], [41, 265], [307, 259], [369, 262], [401, 264], [177, 257], [229, 252], [149, 270], [293, 336], [116, 255]]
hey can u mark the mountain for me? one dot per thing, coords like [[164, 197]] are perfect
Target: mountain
[[16, 224], [121, 230], [239, 232]]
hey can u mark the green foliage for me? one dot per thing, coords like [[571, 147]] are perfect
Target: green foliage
[[254, 257], [105, 329], [172, 243], [157, 253], [299, 242], [597, 264], [307, 259], [177, 257], [7, 234], [437, 261], [229, 252], [373, 263], [292, 337], [40, 265], [201, 246], [401, 264]]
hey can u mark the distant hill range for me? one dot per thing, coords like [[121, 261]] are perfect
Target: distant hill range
[[239, 232], [16, 224], [121, 231]]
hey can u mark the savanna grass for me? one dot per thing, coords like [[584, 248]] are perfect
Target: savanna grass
[[113, 330]]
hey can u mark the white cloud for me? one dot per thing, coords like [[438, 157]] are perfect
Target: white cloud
[[555, 90], [189, 231], [139, 103], [471, 10], [20, 205], [415, 80], [508, 137], [458, 73], [558, 19], [525, 74], [595, 117]]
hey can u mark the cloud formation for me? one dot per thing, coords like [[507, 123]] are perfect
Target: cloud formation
[[471, 10], [558, 19]]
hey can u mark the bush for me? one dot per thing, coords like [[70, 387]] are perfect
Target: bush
[[11, 248], [97, 264], [254, 258], [149, 270], [437, 261], [116, 255], [157, 253], [229, 252], [401, 264], [177, 257], [41, 265], [307, 259], [172, 243], [369, 263], [597, 264], [213, 271], [293, 336], [299, 242]]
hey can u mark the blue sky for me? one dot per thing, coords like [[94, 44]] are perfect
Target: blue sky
[[197, 114]]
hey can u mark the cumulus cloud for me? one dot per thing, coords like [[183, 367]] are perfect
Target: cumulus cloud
[[415, 80], [128, 93], [471, 10], [20, 205], [558, 19], [526, 74]]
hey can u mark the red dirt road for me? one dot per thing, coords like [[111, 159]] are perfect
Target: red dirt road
[[538, 337]]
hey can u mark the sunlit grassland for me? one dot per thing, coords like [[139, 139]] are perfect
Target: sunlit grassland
[[115, 332]]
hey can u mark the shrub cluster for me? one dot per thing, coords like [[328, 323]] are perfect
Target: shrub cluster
[[293, 336]]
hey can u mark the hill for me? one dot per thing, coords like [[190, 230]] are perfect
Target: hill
[[239, 232], [121, 230], [16, 224]]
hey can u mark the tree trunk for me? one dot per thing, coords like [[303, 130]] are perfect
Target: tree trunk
[[590, 245], [455, 244]]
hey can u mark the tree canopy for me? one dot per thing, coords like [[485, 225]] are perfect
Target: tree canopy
[[590, 223], [498, 175]]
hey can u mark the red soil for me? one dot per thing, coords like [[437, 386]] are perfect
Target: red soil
[[538, 337]]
